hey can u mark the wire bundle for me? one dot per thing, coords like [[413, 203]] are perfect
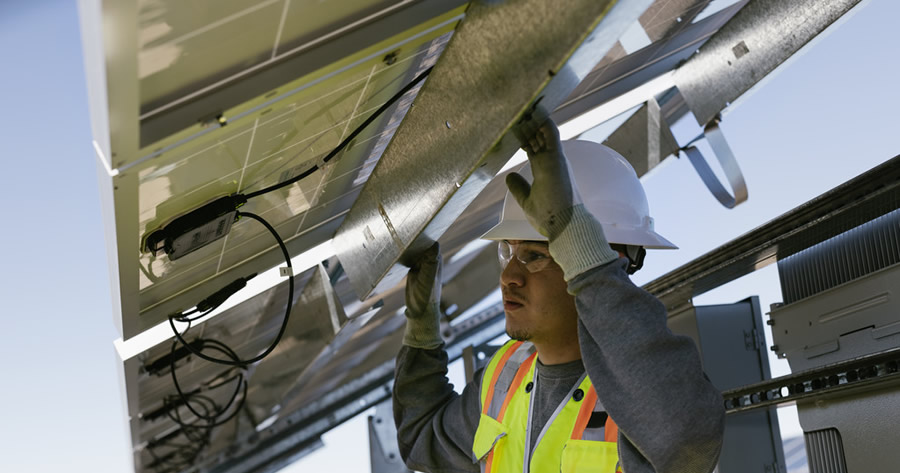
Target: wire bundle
[[207, 414]]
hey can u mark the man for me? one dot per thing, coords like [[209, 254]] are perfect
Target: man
[[593, 380]]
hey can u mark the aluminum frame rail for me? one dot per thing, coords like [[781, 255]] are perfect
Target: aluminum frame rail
[[859, 200], [867, 372]]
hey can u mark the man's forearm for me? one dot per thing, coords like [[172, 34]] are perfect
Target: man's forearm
[[649, 380], [435, 425]]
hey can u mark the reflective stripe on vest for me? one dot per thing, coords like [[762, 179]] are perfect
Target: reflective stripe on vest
[[578, 437]]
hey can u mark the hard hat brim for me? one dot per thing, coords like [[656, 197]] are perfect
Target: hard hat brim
[[522, 230], [647, 238], [513, 230]]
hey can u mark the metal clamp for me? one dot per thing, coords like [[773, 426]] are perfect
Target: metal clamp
[[723, 154]]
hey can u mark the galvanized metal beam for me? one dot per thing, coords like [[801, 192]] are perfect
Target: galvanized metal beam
[[644, 139], [506, 60], [759, 38], [617, 78]]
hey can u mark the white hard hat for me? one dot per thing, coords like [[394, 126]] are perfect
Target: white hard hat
[[610, 190]]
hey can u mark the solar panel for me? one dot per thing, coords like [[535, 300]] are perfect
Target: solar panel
[[253, 144]]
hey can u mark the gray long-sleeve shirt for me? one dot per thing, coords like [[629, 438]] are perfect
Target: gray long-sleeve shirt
[[670, 417]]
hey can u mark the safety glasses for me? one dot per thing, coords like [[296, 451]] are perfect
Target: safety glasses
[[534, 256]]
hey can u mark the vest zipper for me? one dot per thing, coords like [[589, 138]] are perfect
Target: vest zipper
[[526, 468]]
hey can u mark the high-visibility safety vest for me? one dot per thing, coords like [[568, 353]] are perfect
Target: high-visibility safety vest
[[578, 438]]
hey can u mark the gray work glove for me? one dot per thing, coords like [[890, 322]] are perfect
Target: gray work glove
[[548, 201], [423, 296], [553, 205]]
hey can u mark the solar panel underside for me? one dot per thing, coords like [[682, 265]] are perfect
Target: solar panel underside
[[314, 336], [272, 138]]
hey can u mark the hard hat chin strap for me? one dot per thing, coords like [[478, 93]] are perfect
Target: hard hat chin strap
[[635, 256]]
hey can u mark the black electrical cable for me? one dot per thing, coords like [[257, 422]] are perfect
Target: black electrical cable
[[176, 417], [168, 460], [218, 411], [182, 455], [190, 312], [348, 139], [186, 398], [211, 411], [179, 455], [190, 430], [287, 312], [188, 452], [183, 317]]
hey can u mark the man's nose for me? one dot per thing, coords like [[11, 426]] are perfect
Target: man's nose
[[513, 274]]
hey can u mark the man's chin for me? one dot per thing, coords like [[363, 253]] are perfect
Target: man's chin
[[518, 335]]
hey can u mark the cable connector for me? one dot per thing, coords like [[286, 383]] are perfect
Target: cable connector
[[195, 229], [165, 361], [218, 297]]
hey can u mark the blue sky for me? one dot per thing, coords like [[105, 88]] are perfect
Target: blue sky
[[828, 116]]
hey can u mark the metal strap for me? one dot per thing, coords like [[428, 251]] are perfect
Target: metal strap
[[726, 159]]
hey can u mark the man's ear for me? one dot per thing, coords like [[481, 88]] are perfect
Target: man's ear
[[636, 256]]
